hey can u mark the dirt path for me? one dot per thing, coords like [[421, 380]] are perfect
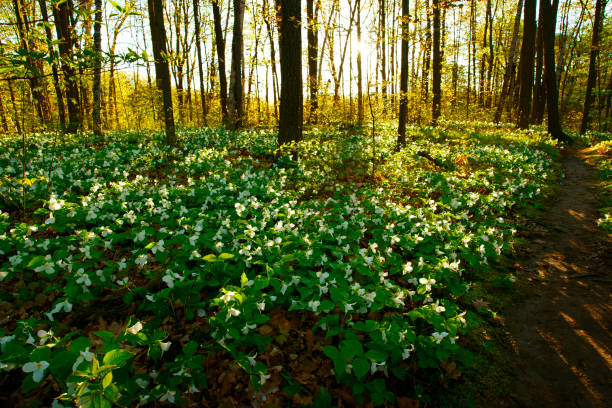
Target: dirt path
[[563, 334]]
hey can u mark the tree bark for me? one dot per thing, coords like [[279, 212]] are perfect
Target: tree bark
[[383, 46], [37, 83], [220, 43], [550, 76], [600, 6], [290, 121], [14, 103], [313, 51], [403, 102], [97, 79], [426, 56], [538, 103], [359, 67], [437, 63], [5, 127], [61, 110], [162, 70], [236, 96], [61, 12], [272, 58], [526, 63], [196, 22], [511, 66]]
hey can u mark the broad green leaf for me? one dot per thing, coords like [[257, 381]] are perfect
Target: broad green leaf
[[376, 355], [36, 262], [107, 380], [330, 351], [210, 258], [350, 349], [117, 357], [361, 366]]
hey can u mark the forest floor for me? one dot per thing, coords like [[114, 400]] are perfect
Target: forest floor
[[560, 336]]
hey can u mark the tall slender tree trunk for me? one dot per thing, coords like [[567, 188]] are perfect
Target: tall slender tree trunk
[[511, 66], [14, 103], [550, 77], [37, 83], [290, 120], [274, 74], [5, 128], [491, 62], [403, 101], [97, 79], [483, 58], [437, 63], [83, 86], [526, 63], [426, 56], [538, 103], [383, 47], [338, 79], [313, 51], [359, 67], [471, 57], [196, 22], [600, 6], [162, 70], [220, 43], [236, 96], [61, 12], [61, 110]]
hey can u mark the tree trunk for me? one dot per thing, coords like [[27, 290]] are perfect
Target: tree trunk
[[84, 89], [236, 96], [313, 51], [196, 22], [426, 56], [272, 58], [511, 66], [61, 12], [471, 57], [290, 121], [600, 6], [37, 83], [550, 76], [359, 67], [526, 63], [162, 70], [61, 110], [538, 103], [483, 59], [220, 43], [383, 46], [5, 128], [14, 103], [403, 103], [97, 79], [437, 63]]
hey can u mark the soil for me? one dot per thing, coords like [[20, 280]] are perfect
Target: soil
[[561, 336]]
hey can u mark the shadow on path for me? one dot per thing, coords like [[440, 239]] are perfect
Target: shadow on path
[[562, 336]]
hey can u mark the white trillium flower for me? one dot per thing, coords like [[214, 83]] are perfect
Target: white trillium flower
[[165, 346], [231, 312], [135, 328], [439, 336], [228, 297], [37, 369], [84, 355]]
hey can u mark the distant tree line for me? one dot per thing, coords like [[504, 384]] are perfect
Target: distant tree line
[[249, 63]]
